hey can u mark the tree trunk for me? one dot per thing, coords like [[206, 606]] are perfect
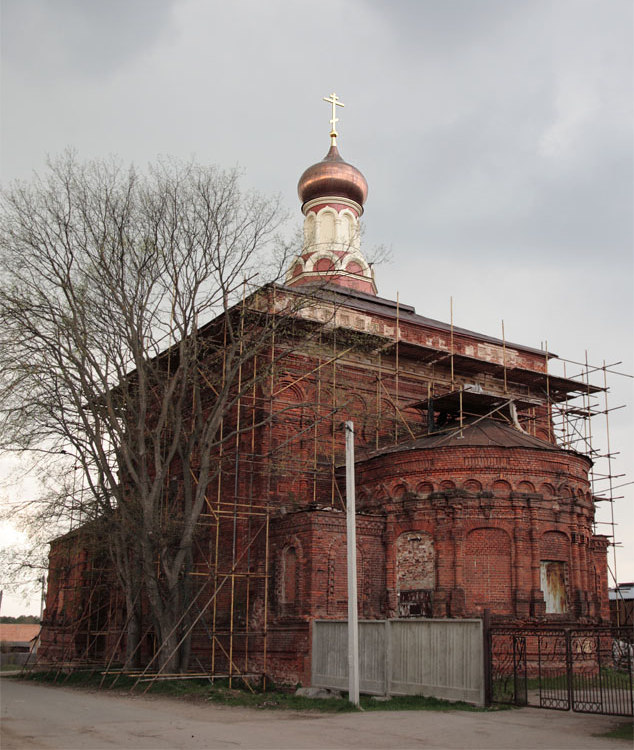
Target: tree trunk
[[133, 639], [170, 653]]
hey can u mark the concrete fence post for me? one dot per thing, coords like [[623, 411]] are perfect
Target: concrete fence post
[[486, 657], [388, 658]]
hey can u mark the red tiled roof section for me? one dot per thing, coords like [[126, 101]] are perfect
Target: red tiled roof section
[[18, 632]]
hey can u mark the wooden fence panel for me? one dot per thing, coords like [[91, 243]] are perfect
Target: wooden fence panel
[[440, 658]]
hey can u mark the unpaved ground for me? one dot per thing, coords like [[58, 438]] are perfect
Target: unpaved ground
[[41, 716]]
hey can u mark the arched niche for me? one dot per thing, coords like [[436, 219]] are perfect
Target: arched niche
[[398, 491], [288, 580], [354, 267], [424, 488], [501, 488], [487, 570], [337, 594], [309, 229], [324, 265], [473, 486], [326, 224]]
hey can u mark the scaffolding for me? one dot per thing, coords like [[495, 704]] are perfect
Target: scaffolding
[[282, 454], [582, 424]]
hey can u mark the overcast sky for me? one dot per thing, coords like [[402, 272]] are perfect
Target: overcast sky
[[496, 138]]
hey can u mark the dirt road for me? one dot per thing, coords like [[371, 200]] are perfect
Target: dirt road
[[37, 716]]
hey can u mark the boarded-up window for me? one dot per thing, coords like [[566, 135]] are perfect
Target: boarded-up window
[[552, 574], [415, 561], [416, 603], [415, 574]]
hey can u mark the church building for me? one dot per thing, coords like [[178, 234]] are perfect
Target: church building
[[467, 497]]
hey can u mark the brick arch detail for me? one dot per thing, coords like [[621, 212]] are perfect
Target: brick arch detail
[[526, 487], [354, 407], [399, 489], [354, 267], [424, 488], [472, 485], [384, 418], [290, 561], [353, 403], [501, 487], [554, 545], [380, 492]]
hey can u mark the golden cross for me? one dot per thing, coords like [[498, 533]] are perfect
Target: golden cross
[[334, 100]]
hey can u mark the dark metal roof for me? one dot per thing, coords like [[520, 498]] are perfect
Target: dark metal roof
[[478, 402], [557, 387], [484, 433]]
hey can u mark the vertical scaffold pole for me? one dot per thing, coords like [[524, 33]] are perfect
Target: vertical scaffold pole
[[549, 410], [610, 477], [353, 616], [451, 339], [333, 443], [504, 357], [396, 366]]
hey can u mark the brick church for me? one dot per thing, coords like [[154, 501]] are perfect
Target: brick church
[[467, 500]]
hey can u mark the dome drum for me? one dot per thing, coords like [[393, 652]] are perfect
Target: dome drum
[[336, 202]]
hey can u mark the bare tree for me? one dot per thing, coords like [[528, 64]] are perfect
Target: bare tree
[[113, 361]]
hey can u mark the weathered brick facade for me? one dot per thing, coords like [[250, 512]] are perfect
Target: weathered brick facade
[[465, 501], [451, 520]]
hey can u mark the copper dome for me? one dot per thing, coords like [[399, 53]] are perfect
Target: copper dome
[[333, 177]]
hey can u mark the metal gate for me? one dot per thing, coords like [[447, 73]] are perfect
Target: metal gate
[[585, 669]]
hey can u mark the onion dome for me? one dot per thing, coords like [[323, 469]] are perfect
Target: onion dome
[[333, 177]]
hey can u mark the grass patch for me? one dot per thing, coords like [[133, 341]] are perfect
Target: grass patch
[[10, 667], [606, 678], [421, 703], [624, 731], [219, 692]]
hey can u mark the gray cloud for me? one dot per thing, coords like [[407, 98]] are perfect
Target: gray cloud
[[82, 38], [496, 136]]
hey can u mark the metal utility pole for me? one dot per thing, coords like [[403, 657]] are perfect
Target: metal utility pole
[[42, 596], [353, 617]]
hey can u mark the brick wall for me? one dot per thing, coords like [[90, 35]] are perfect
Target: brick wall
[[469, 524], [494, 514]]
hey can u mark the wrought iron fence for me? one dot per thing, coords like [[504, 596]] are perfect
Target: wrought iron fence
[[585, 669]]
